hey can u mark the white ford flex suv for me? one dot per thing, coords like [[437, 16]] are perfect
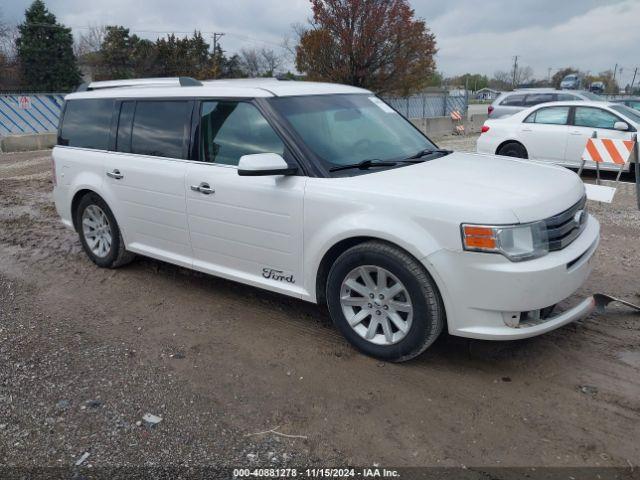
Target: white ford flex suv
[[324, 193]]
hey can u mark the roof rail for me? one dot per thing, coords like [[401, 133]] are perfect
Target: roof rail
[[142, 82]]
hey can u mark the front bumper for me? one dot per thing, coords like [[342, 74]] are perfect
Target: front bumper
[[486, 295]]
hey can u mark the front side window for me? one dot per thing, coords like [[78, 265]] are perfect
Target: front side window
[[159, 128], [346, 129], [566, 97], [229, 130], [549, 116], [87, 124], [594, 118]]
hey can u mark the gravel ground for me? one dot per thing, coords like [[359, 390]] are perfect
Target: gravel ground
[[86, 352]]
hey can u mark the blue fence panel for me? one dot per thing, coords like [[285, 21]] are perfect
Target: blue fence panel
[[30, 113]]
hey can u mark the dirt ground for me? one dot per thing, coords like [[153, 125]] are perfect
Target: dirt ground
[[86, 352]]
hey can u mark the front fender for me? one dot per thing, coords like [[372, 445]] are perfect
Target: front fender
[[321, 237]]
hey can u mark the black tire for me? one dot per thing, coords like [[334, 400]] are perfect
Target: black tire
[[513, 149], [117, 255], [428, 311]]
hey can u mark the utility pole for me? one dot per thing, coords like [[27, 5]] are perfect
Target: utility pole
[[515, 70], [549, 75], [215, 52], [634, 79]]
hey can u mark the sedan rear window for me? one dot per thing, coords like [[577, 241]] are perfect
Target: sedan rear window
[[538, 98], [513, 101], [549, 116]]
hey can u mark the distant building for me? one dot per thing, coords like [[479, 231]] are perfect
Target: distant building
[[487, 94]]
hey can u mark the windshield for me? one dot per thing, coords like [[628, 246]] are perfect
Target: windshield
[[347, 129], [630, 113]]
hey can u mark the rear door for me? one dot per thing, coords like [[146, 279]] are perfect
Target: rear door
[[586, 121], [145, 175], [544, 133], [243, 228]]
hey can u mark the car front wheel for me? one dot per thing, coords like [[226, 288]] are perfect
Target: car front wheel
[[384, 301]]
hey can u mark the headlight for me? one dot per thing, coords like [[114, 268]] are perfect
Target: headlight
[[516, 242]]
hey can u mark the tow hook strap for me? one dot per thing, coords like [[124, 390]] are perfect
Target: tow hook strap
[[601, 301]]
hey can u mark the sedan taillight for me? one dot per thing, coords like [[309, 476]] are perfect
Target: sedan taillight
[[490, 109], [484, 129]]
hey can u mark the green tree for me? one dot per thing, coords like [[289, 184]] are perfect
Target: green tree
[[45, 51], [116, 54]]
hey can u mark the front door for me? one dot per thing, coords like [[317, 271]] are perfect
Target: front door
[[588, 120], [243, 228]]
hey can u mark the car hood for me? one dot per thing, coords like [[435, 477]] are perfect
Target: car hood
[[494, 188]]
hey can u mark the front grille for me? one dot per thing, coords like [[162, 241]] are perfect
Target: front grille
[[564, 228]]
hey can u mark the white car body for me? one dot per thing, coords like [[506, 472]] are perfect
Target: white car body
[[274, 232], [554, 143]]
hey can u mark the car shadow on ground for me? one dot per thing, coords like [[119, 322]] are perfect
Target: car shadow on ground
[[447, 348]]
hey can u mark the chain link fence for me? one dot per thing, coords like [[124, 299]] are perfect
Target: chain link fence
[[429, 105]]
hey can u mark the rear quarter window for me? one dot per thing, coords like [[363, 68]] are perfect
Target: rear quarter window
[[86, 124]]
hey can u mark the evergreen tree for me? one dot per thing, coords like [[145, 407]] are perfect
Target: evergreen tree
[[45, 51]]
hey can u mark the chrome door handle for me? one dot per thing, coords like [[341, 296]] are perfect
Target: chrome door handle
[[575, 133], [115, 174], [203, 188]]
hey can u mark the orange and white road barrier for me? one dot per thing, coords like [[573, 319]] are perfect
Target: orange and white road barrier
[[608, 150], [460, 129], [605, 150], [456, 116]]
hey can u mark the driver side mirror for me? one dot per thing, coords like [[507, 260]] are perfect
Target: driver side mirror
[[263, 164], [622, 126]]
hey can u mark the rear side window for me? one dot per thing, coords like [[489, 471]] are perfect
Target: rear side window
[[229, 130], [159, 128], [594, 118], [538, 98], [513, 101], [87, 124], [549, 116]]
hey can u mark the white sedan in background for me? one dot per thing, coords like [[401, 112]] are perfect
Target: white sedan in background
[[557, 132]]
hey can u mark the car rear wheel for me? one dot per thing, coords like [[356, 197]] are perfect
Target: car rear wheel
[[513, 149], [384, 301], [99, 233]]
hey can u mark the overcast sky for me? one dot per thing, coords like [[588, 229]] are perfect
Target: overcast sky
[[472, 36]]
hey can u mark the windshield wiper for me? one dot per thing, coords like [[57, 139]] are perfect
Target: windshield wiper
[[364, 165], [428, 151]]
